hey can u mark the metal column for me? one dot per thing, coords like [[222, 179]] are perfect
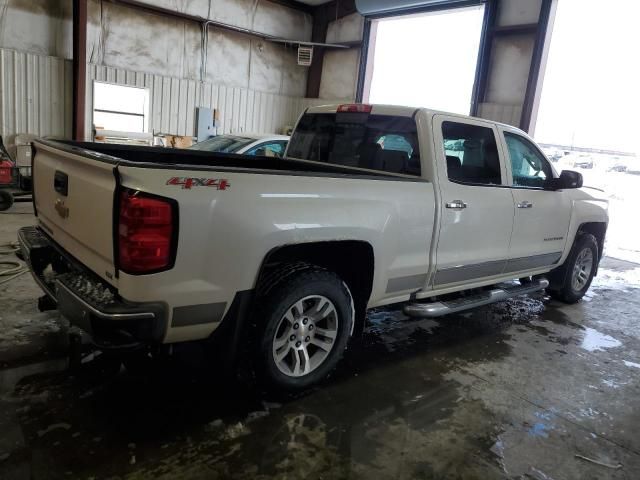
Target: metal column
[[79, 68]]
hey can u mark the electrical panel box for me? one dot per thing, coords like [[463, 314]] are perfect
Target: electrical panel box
[[205, 123]]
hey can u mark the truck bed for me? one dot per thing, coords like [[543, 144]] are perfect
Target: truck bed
[[159, 157]]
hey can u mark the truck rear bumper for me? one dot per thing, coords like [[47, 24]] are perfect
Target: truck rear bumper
[[86, 301]]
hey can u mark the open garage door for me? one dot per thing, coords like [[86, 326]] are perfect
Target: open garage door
[[484, 57], [386, 8], [588, 117], [424, 59]]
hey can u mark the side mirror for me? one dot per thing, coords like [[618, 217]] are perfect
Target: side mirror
[[567, 179]]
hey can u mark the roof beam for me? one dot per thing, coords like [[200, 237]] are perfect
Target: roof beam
[[303, 7]]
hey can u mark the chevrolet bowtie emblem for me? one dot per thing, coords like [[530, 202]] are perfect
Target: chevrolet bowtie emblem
[[62, 209]]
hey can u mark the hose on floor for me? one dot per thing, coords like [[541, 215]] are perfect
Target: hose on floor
[[9, 268]]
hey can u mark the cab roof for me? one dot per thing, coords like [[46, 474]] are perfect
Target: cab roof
[[402, 111]]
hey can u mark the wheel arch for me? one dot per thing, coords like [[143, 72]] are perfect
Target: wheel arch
[[598, 230], [352, 260]]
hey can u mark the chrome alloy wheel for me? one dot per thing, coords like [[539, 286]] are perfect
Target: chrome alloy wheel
[[305, 335], [582, 269]]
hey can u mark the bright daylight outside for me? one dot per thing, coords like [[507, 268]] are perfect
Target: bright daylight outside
[[588, 117], [402, 46], [122, 108]]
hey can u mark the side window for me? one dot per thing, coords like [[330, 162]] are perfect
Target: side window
[[528, 166], [396, 143], [471, 153], [273, 149]]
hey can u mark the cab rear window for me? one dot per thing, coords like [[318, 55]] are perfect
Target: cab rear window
[[376, 142]]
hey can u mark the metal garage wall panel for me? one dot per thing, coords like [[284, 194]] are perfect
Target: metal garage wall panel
[[36, 98], [35, 95], [174, 100]]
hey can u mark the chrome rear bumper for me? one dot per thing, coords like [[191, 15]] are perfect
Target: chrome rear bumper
[[88, 302]]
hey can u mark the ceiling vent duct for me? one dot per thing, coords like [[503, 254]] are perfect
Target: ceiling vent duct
[[305, 55]]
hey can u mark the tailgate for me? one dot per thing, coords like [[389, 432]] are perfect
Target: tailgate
[[74, 202]]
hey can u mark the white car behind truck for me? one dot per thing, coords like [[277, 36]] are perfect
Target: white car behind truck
[[372, 205], [260, 144]]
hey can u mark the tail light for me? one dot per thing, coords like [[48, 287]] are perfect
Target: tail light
[[147, 232], [355, 108]]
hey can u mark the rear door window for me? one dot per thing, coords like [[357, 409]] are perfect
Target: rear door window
[[471, 154], [375, 142]]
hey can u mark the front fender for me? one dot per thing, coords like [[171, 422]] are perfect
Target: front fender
[[587, 207]]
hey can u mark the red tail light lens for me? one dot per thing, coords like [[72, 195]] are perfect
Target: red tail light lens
[[145, 233]]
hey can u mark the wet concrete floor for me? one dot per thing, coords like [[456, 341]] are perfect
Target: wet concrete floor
[[528, 388]]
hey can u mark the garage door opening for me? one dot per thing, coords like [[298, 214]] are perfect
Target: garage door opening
[[425, 60], [589, 105]]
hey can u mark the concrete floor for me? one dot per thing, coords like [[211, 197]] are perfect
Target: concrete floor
[[517, 390]]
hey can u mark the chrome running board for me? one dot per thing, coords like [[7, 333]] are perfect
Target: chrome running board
[[437, 309]]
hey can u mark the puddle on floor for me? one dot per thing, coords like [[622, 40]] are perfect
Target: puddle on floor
[[594, 340]]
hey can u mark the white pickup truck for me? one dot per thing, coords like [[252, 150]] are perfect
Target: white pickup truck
[[372, 205]]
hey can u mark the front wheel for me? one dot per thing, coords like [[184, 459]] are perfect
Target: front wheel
[[303, 327], [579, 269]]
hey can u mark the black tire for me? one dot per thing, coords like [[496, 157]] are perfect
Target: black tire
[[6, 200], [271, 309], [565, 290]]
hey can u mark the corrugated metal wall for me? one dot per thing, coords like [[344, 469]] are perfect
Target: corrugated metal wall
[[36, 98], [174, 100], [35, 95]]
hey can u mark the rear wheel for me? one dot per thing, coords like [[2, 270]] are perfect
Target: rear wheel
[[578, 270], [6, 200], [303, 326]]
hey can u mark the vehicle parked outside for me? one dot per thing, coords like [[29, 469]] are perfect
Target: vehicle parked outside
[[262, 145], [617, 166], [583, 162]]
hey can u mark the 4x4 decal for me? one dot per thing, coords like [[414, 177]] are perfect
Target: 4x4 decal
[[188, 182]]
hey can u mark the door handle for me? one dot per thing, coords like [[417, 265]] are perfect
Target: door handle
[[456, 205], [525, 204]]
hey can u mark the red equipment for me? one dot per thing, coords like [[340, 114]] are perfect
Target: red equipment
[[6, 172], [14, 184]]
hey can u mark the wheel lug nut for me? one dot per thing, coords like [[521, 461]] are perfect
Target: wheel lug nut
[[305, 321], [311, 327], [298, 344], [292, 338], [295, 326], [307, 339]]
